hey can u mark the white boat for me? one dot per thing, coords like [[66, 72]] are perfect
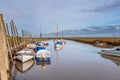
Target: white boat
[[42, 54], [58, 44], [24, 55], [113, 52], [42, 43], [23, 67], [31, 46]]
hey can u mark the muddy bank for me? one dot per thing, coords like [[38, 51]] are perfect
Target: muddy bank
[[100, 42]]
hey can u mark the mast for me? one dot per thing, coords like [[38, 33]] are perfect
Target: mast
[[62, 34], [57, 31], [40, 32]]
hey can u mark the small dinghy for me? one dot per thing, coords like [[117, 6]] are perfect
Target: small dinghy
[[24, 55], [113, 52]]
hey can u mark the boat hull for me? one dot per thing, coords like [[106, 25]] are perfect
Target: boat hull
[[39, 59], [24, 55], [24, 58], [43, 55], [110, 53], [58, 47]]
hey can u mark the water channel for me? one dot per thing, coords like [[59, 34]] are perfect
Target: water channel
[[75, 61]]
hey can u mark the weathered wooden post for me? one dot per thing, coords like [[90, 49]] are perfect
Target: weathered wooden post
[[23, 37], [13, 35], [17, 36], [4, 61], [8, 42]]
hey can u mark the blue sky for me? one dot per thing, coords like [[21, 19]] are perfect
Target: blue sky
[[30, 15]]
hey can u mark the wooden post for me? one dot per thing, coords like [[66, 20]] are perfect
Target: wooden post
[[14, 32], [23, 37], [4, 62], [16, 37], [13, 35], [8, 43]]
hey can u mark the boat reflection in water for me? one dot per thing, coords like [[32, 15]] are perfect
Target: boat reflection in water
[[23, 67], [43, 63], [114, 59]]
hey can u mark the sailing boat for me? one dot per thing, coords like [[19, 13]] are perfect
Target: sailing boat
[[42, 42], [58, 43]]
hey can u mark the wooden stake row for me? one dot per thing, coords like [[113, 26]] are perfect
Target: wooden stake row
[[10, 41]]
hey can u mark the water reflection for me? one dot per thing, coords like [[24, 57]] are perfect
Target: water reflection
[[19, 69], [75, 61], [114, 59], [43, 63], [23, 67]]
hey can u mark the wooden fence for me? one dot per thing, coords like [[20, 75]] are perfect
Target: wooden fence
[[10, 42]]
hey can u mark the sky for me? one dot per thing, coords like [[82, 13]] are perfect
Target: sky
[[44, 15]]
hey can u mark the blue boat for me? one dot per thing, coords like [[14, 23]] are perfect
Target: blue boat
[[58, 44], [42, 54]]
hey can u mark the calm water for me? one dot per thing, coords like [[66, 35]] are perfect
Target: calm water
[[76, 61]]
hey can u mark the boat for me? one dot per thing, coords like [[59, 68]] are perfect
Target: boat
[[42, 43], [24, 55], [42, 54], [23, 67], [58, 44], [57, 41], [31, 46], [114, 52]]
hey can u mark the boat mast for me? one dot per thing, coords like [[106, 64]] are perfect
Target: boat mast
[[57, 31], [40, 32], [62, 34]]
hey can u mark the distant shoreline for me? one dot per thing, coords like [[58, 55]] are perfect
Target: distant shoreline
[[106, 42]]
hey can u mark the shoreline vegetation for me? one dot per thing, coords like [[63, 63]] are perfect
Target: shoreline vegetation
[[105, 42]]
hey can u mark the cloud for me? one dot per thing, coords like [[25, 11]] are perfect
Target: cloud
[[31, 14], [104, 7]]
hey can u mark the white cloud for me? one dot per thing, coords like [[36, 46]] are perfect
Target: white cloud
[[31, 14]]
